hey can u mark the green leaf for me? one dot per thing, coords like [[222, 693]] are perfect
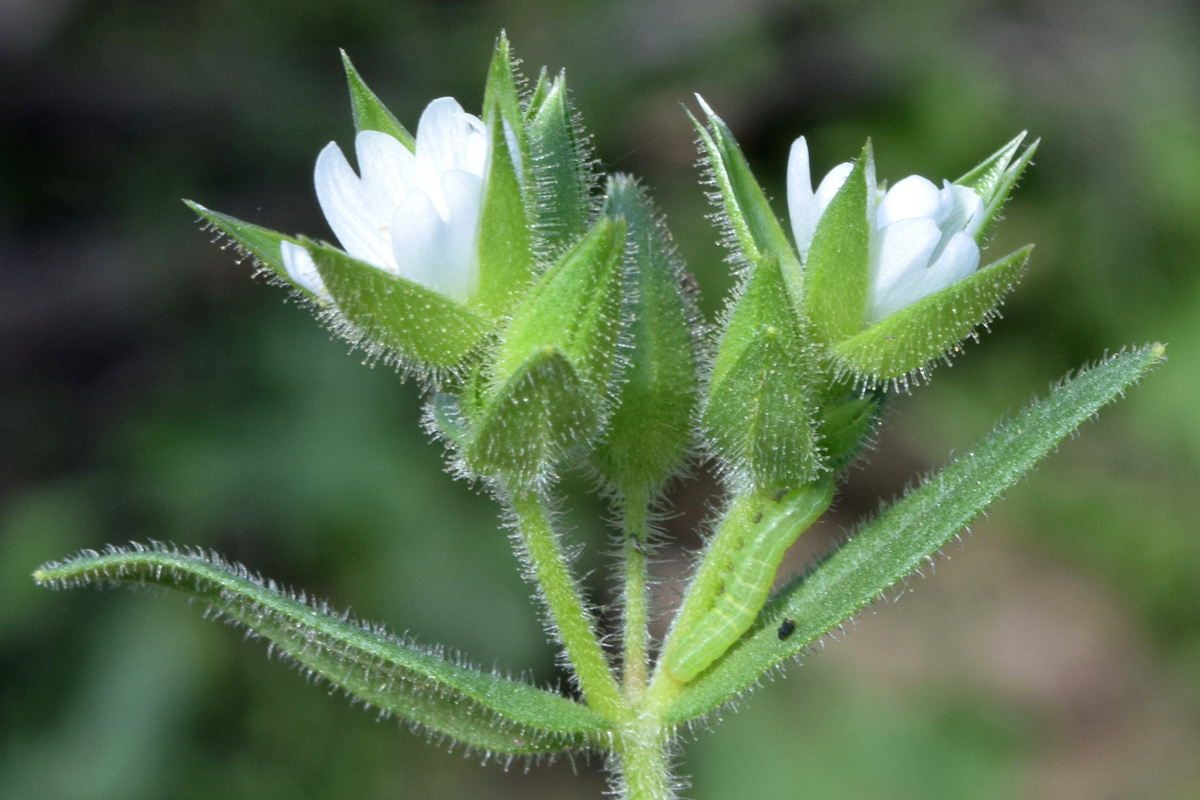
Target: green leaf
[[483, 711], [903, 343], [908, 533], [753, 228], [759, 415], [412, 324], [369, 113], [261, 244], [529, 423], [561, 171], [837, 271], [651, 426]]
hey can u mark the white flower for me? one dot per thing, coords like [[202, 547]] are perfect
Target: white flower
[[922, 237], [412, 214]]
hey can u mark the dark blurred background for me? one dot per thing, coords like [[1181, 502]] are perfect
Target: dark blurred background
[[150, 389]]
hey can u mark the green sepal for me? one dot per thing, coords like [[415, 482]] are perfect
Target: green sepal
[[759, 416], [837, 271], [370, 114], [481, 710], [412, 324], [561, 174], [575, 308], [997, 193], [651, 426], [502, 95], [528, 423], [986, 176], [845, 426], [907, 534], [736, 574], [906, 341], [541, 89], [505, 245], [753, 227], [261, 244]]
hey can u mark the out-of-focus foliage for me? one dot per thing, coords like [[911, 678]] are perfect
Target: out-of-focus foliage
[[149, 389]]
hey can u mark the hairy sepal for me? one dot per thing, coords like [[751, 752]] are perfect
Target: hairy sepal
[[650, 429], [908, 534], [261, 244], [574, 307], [736, 574], [505, 247], [526, 425], [416, 325], [901, 344], [994, 180], [370, 114], [759, 417], [755, 228], [837, 270], [448, 698], [560, 169]]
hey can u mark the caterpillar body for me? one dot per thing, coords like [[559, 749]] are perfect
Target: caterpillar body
[[756, 536]]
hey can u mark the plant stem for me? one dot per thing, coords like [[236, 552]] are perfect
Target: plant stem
[[635, 659], [564, 601], [645, 763]]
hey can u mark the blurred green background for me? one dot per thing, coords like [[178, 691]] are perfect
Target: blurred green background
[[150, 389]]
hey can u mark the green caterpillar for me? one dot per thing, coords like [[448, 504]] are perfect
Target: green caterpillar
[[748, 548]]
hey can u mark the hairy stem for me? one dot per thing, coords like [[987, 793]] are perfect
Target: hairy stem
[[635, 658], [645, 769], [571, 619]]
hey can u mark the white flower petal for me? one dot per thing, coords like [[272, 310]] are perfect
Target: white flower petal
[[832, 183], [303, 270], [967, 213], [417, 238], [387, 167], [903, 253], [911, 198], [449, 138], [463, 192], [803, 208], [959, 259], [360, 220]]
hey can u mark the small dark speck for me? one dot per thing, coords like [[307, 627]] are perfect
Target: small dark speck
[[786, 627]]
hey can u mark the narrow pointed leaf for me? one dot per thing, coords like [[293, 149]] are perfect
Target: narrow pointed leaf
[[370, 114], [909, 533], [838, 267], [481, 710], [753, 225], [909, 339], [411, 323]]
